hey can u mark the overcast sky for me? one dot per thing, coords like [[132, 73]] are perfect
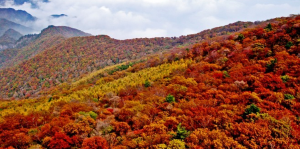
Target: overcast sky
[[123, 19]]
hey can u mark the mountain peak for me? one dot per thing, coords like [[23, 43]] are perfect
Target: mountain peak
[[64, 31], [8, 39], [6, 25], [13, 34]]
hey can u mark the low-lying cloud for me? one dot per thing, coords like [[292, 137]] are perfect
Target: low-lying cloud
[[123, 19]]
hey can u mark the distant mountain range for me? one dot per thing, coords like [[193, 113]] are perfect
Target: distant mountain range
[[17, 16], [10, 32], [12, 27], [9, 38], [15, 19], [6, 25], [30, 45]]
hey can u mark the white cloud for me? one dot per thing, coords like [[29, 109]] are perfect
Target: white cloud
[[124, 19], [149, 33]]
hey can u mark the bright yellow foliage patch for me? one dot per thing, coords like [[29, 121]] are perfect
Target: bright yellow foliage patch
[[26, 107]]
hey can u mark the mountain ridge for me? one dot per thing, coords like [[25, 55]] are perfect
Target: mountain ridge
[[6, 24], [18, 16], [64, 31], [86, 54], [8, 39]]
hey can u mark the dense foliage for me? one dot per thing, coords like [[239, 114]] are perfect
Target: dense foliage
[[51, 59], [238, 91]]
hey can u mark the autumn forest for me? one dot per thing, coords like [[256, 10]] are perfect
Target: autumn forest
[[235, 86]]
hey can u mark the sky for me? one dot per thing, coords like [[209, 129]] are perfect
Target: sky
[[126, 19]]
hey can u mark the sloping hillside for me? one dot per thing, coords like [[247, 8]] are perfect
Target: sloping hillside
[[239, 91], [67, 60], [8, 54], [48, 37]]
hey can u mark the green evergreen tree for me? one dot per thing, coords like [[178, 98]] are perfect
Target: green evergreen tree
[[181, 133], [170, 98], [269, 27], [252, 109]]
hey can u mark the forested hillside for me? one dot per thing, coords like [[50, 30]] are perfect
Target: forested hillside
[[48, 37], [235, 91], [53, 60]]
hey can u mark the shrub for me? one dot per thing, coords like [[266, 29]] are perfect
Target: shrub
[[18, 140], [225, 74], [50, 99], [284, 78], [147, 83], [252, 109], [270, 66], [170, 98], [93, 114], [32, 132], [241, 37], [60, 141], [176, 144], [95, 142], [181, 133], [161, 146], [95, 100], [289, 96], [269, 27], [289, 45]]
